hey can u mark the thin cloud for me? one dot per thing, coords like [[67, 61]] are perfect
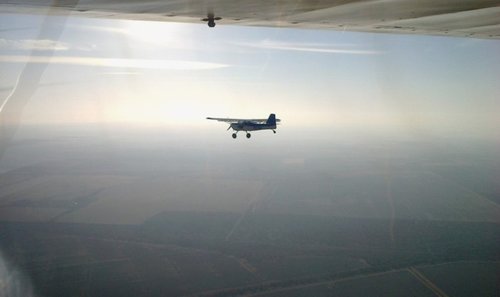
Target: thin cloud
[[121, 73], [107, 29], [114, 63], [158, 34], [33, 44], [313, 47]]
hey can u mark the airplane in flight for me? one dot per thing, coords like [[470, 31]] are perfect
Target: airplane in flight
[[249, 124]]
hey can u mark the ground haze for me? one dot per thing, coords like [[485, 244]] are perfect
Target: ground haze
[[155, 212]]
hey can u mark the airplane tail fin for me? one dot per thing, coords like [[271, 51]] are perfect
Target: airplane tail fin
[[271, 120]]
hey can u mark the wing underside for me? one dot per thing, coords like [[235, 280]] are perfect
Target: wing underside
[[465, 18], [226, 120], [230, 120]]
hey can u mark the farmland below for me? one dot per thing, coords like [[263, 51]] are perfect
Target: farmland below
[[142, 217]]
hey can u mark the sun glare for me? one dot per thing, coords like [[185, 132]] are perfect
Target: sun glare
[[157, 33]]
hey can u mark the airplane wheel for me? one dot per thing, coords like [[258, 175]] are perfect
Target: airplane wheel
[[249, 135], [234, 135]]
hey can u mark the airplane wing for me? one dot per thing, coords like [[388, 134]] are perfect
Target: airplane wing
[[464, 18], [229, 120]]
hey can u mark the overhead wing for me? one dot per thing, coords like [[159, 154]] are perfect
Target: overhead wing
[[466, 18], [229, 120]]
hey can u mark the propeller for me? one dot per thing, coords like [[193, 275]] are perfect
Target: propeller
[[228, 127]]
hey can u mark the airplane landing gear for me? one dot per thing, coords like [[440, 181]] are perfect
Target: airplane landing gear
[[274, 131], [234, 135], [249, 135]]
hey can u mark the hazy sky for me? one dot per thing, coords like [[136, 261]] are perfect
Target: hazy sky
[[177, 74]]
